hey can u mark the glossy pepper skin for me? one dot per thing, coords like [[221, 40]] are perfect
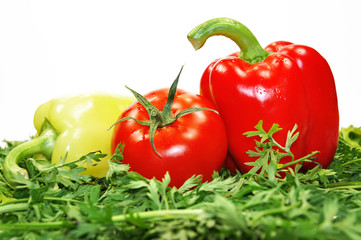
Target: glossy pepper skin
[[284, 83], [73, 125]]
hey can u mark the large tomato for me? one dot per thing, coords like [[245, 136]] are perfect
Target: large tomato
[[194, 144]]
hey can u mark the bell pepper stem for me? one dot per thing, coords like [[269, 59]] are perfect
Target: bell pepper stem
[[42, 144], [250, 49]]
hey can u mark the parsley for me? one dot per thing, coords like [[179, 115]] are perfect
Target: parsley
[[58, 203]]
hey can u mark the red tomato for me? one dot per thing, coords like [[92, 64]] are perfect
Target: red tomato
[[195, 144]]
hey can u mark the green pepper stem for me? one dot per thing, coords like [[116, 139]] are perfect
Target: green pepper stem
[[42, 144], [250, 49]]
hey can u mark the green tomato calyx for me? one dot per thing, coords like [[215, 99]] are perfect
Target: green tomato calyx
[[160, 118]]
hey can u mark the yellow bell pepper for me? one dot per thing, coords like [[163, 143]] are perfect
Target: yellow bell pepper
[[70, 126]]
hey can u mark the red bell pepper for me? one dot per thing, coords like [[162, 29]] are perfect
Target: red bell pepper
[[284, 83]]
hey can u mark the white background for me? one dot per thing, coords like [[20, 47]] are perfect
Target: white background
[[53, 48]]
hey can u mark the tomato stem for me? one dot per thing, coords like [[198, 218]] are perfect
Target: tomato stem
[[159, 119]]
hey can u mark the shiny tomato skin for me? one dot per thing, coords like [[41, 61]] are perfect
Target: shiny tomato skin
[[195, 144]]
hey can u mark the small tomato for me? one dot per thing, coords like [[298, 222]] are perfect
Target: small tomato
[[189, 137]]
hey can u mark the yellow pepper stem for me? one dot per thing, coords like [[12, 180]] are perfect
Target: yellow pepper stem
[[43, 144]]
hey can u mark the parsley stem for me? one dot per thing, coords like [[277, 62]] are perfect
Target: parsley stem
[[14, 207], [300, 159], [236, 188], [283, 148], [36, 226], [22, 200], [158, 214], [274, 211], [352, 161], [6, 182], [161, 214], [68, 200], [22, 204], [344, 185]]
